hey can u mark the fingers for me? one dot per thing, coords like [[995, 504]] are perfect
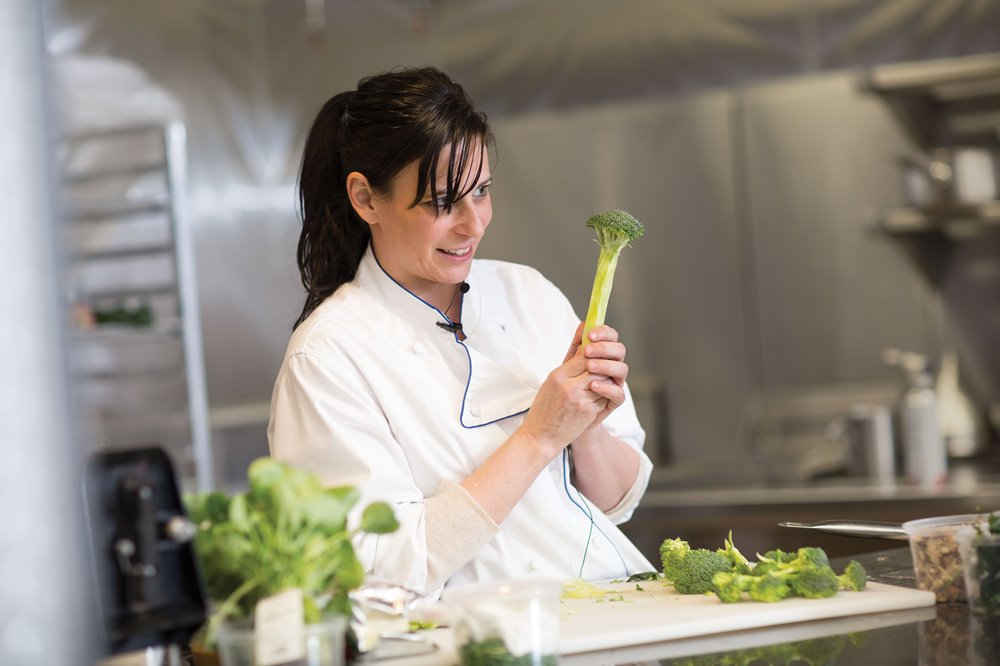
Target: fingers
[[574, 346], [601, 369], [602, 333]]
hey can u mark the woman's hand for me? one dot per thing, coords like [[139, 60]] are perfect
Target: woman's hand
[[579, 394]]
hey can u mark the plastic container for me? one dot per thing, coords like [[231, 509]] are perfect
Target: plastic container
[[323, 643], [981, 566], [506, 622], [937, 560]]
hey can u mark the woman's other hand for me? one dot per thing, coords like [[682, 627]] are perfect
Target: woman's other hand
[[579, 394]]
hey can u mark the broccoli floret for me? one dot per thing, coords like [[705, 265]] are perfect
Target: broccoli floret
[[772, 560], [728, 586], [808, 574], [813, 582], [854, 577], [777, 555], [672, 551], [768, 588], [740, 563], [814, 556], [614, 231], [694, 575]]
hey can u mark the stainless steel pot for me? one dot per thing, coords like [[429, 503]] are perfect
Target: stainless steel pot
[[950, 176]]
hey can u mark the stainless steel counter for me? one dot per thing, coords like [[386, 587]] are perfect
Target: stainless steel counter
[[692, 507]]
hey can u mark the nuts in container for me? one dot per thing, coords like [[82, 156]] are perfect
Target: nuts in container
[[937, 560]]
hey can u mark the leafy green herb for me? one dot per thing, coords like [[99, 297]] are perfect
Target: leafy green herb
[[287, 531], [985, 566], [645, 575], [638, 588], [493, 652]]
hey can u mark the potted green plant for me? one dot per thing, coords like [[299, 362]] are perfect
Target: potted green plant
[[285, 533]]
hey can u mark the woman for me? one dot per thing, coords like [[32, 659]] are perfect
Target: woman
[[439, 382]]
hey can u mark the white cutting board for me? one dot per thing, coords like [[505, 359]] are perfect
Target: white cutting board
[[659, 614]]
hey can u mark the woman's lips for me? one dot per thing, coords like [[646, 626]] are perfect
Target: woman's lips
[[460, 254]]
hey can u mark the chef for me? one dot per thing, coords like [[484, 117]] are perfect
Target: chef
[[455, 388]]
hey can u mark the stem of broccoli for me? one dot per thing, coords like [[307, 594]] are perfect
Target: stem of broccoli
[[601, 292]]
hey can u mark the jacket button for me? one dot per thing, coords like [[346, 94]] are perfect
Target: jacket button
[[474, 409], [418, 348]]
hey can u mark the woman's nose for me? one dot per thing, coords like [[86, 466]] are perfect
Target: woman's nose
[[472, 219]]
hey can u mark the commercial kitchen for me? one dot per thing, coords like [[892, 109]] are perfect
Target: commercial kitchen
[[811, 315]]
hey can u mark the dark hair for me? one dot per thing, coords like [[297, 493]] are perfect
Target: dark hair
[[391, 120]]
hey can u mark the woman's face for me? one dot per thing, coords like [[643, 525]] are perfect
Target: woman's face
[[430, 252]]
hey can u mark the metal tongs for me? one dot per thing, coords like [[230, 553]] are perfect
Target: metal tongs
[[857, 528]]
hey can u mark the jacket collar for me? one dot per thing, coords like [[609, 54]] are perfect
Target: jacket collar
[[407, 305]]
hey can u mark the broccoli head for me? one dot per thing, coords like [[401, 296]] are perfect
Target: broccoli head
[[854, 577], [615, 229], [694, 575], [672, 551]]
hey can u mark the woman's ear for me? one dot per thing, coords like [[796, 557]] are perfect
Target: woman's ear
[[359, 191]]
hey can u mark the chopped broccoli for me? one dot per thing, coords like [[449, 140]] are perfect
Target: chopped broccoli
[[614, 231], [854, 577], [815, 556], [694, 575], [740, 563], [805, 573], [813, 582], [729, 587], [768, 588], [672, 551], [808, 574]]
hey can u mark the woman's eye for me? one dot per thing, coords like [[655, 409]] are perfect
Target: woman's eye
[[481, 191]]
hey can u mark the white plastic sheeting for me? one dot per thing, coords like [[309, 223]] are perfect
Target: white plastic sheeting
[[251, 73]]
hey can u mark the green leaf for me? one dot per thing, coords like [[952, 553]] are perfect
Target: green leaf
[[325, 512], [349, 495], [238, 514], [264, 473], [350, 573], [378, 518]]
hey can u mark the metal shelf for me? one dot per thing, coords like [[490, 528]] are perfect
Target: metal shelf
[[128, 292], [106, 226], [102, 210], [126, 334], [948, 102], [125, 252], [137, 169], [955, 221]]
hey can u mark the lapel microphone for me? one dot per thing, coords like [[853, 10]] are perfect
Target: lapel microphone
[[454, 327]]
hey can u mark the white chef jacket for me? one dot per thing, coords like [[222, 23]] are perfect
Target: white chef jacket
[[373, 393]]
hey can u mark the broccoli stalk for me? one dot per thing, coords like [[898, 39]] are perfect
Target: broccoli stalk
[[740, 563], [614, 231]]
